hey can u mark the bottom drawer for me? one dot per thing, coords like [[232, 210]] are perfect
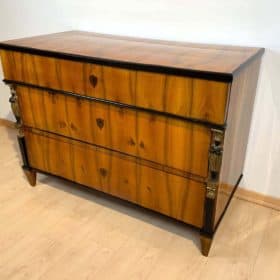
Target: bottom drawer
[[117, 174]]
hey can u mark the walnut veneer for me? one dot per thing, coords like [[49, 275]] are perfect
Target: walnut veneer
[[161, 124]]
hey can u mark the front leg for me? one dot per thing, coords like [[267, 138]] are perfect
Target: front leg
[[205, 241], [30, 175]]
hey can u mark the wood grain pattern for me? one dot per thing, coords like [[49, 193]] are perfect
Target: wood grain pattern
[[236, 136], [169, 142], [67, 84], [171, 195], [183, 96], [241, 193], [196, 57]]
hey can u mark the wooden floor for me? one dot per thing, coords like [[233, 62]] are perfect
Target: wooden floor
[[59, 231]]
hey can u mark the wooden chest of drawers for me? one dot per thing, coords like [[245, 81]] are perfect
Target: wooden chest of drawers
[[161, 124]]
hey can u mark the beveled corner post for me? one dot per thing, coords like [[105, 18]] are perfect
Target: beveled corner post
[[214, 168], [30, 174]]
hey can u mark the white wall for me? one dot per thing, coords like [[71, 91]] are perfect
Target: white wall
[[239, 22]]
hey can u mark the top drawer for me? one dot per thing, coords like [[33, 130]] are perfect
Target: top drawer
[[183, 96]]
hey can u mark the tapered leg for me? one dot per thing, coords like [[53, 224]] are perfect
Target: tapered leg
[[31, 176], [205, 242]]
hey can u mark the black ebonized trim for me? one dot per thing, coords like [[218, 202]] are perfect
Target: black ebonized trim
[[209, 210], [146, 162], [206, 234], [209, 213], [118, 104], [22, 147], [225, 77], [115, 198]]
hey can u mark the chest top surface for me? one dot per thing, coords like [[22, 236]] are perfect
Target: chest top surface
[[199, 60]]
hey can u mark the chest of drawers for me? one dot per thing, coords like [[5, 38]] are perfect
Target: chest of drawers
[[161, 124]]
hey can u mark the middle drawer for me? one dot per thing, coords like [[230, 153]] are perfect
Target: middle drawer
[[171, 142]]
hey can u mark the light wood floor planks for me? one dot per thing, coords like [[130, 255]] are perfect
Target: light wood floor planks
[[59, 231]]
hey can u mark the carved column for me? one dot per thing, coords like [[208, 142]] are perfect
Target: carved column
[[214, 168], [215, 162], [30, 174], [14, 104]]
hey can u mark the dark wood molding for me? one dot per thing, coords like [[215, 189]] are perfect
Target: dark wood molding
[[22, 146], [36, 45], [209, 210], [118, 104], [148, 163], [213, 76]]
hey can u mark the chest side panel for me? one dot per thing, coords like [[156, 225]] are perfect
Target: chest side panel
[[242, 98]]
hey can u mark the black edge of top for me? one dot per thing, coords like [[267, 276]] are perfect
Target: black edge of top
[[216, 76], [118, 104]]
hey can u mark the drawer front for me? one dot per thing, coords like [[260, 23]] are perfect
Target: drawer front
[[187, 97], [167, 141], [102, 169]]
